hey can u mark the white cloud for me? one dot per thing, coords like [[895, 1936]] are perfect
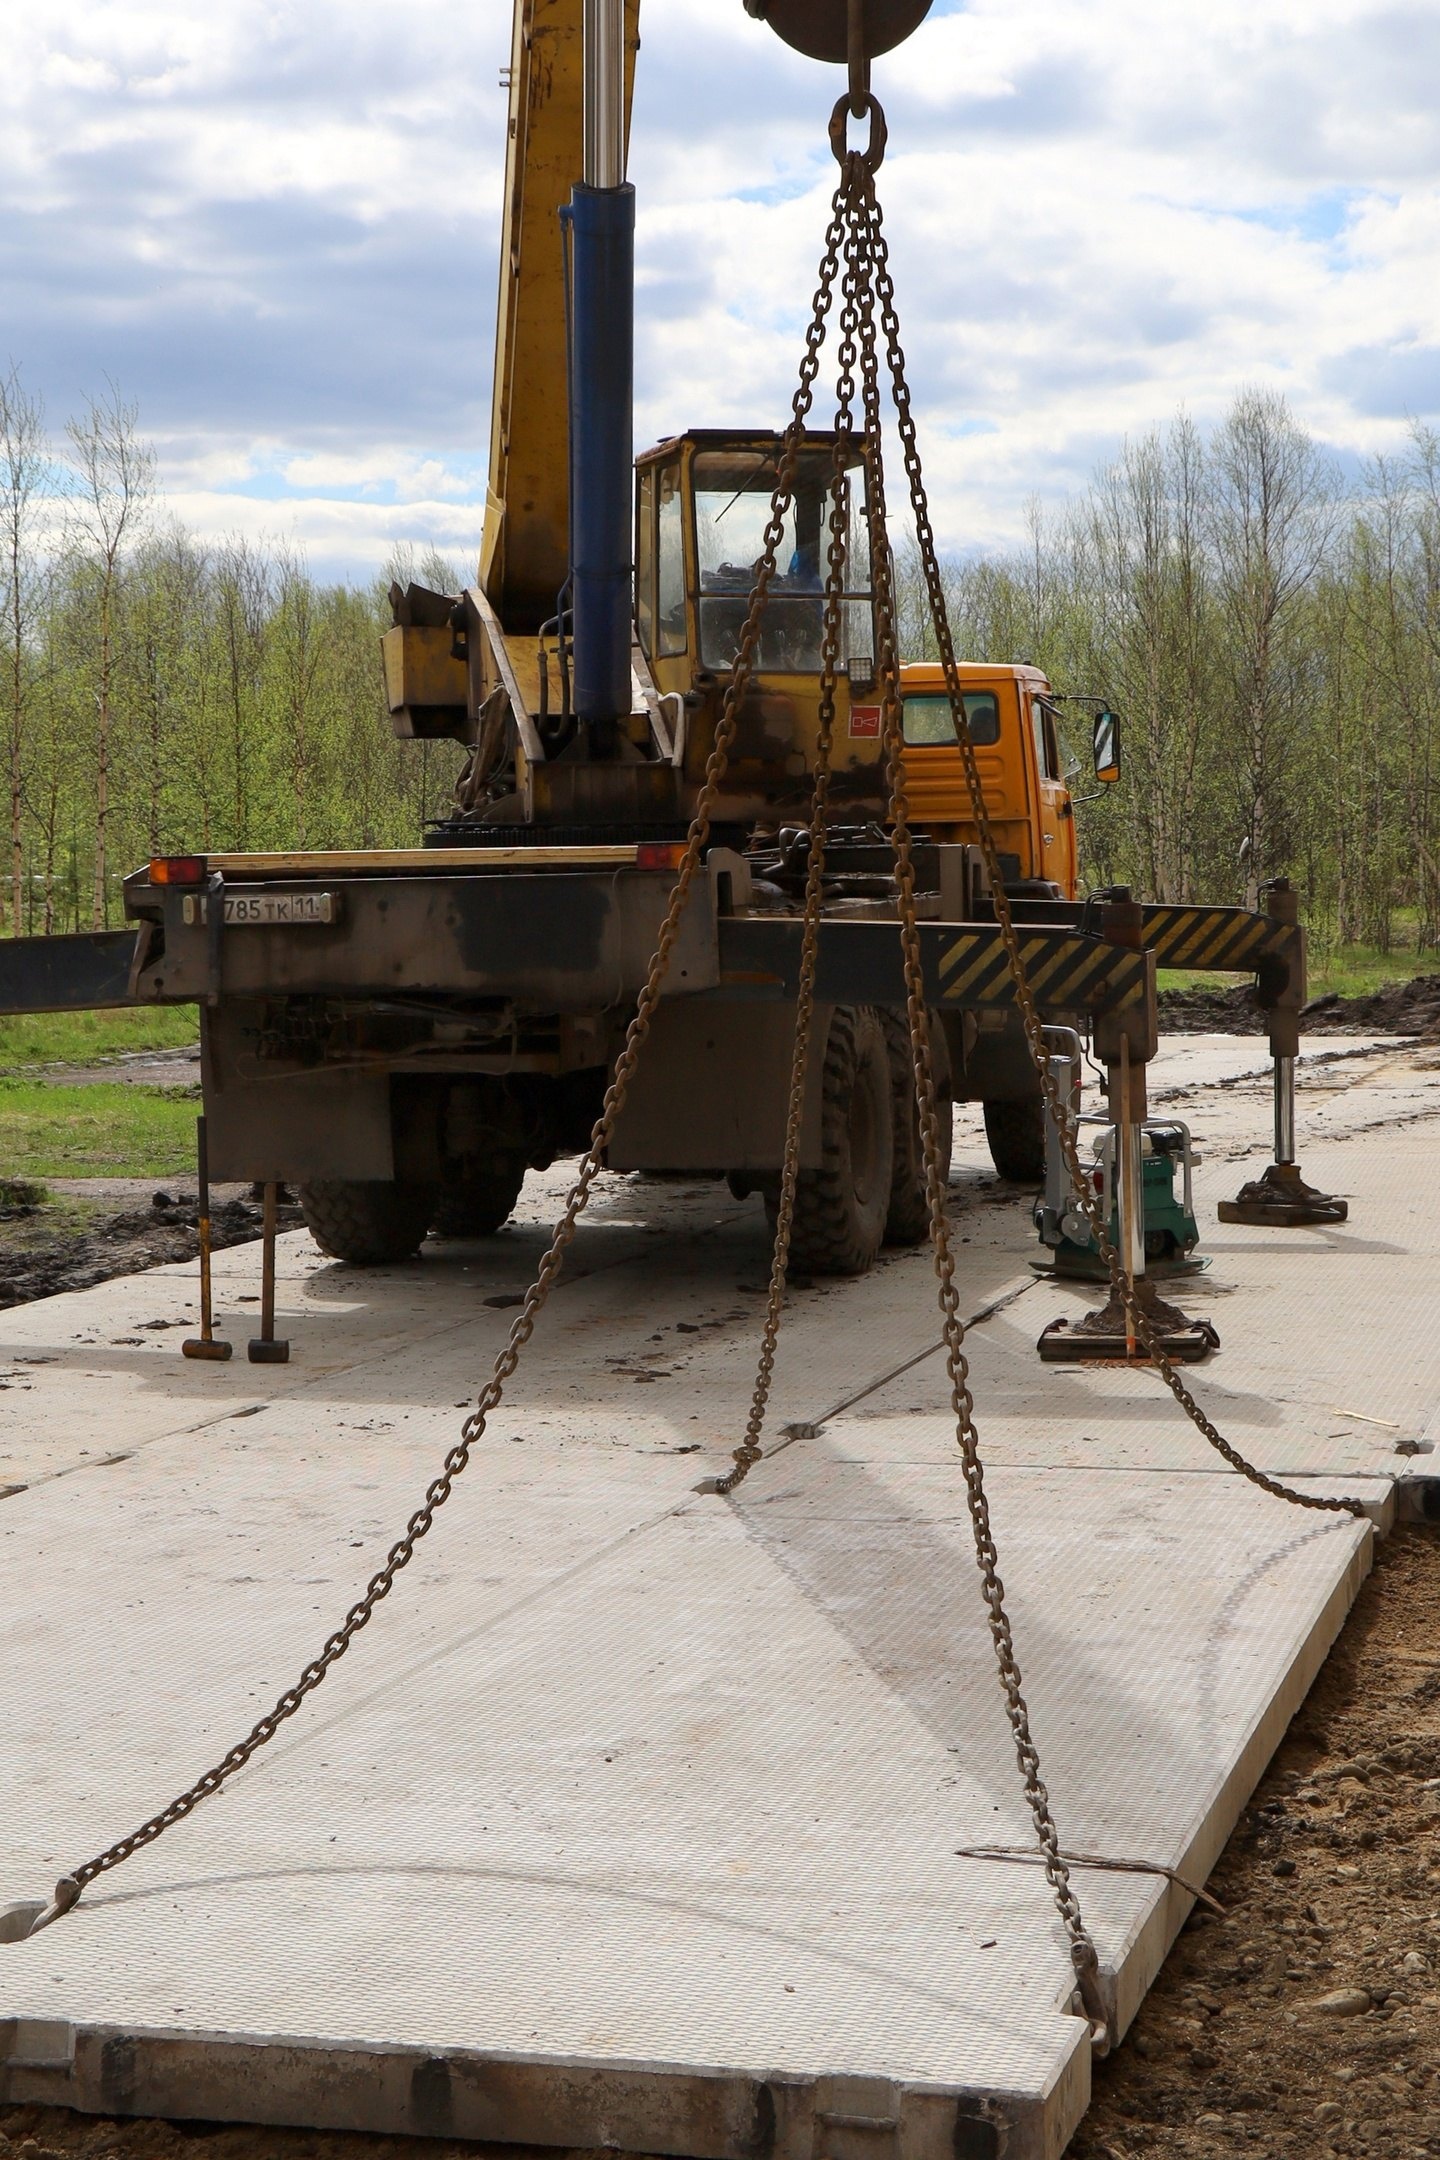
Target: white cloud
[[276, 225]]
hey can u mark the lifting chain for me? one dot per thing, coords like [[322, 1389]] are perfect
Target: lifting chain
[[859, 315], [867, 284], [70, 1887], [837, 565], [855, 228], [1121, 1281]]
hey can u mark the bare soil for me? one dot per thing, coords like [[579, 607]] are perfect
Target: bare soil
[[1331, 1889], [68, 1243], [1307, 2021]]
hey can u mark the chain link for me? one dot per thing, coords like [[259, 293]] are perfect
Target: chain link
[[1122, 1283], [867, 283], [1082, 1948], [858, 324], [855, 224], [70, 1886], [837, 560]]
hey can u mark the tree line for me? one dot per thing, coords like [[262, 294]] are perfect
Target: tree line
[[159, 693], [1269, 632], [1271, 637]]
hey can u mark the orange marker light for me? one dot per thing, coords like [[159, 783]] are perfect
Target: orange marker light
[[177, 870], [659, 854]]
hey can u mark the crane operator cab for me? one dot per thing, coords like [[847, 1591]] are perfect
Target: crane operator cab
[[702, 509], [702, 505]]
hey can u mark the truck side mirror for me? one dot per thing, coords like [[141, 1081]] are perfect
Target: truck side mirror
[[1107, 746]]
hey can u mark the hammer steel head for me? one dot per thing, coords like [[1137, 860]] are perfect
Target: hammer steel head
[[195, 1346], [268, 1350], [820, 27]]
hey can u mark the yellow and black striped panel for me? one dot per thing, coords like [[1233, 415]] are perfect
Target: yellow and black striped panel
[[1066, 972], [861, 963], [1218, 938]]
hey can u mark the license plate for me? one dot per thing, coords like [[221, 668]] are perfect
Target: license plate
[[261, 909]]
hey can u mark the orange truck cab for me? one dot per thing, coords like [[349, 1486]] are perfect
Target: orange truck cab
[[1011, 712]]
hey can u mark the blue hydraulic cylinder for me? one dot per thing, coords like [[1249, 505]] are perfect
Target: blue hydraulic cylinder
[[602, 450]]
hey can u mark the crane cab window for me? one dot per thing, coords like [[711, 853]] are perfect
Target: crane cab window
[[927, 719], [733, 490], [670, 563], [1047, 742], [645, 562]]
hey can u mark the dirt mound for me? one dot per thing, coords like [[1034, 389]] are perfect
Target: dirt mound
[[1231, 1011], [1400, 1008]]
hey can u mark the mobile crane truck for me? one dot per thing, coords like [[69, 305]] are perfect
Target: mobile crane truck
[[403, 1033]]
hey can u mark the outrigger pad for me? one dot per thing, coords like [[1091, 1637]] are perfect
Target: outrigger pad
[[1282, 1197], [1100, 1338]]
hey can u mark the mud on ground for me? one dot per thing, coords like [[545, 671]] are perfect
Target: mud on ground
[[59, 1242]]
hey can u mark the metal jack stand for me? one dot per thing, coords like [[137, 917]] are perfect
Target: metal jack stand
[[207, 1343], [1109, 1334], [268, 1348], [1280, 1195]]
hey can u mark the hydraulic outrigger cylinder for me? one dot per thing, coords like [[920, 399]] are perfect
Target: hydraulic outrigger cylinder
[[1280, 1195], [1110, 1332], [600, 223]]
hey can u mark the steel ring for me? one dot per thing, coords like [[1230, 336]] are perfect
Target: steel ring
[[873, 155]]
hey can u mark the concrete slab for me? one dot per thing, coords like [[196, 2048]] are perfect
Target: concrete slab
[[633, 1819]]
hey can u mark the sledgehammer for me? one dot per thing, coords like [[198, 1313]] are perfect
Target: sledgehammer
[[206, 1344], [268, 1348]]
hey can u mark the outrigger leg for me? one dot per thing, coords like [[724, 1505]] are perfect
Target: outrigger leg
[[1280, 1195], [1127, 1041]]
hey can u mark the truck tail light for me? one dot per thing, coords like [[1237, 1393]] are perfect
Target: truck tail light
[[177, 870], [659, 854]]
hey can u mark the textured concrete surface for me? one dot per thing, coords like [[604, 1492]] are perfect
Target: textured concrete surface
[[633, 1817]]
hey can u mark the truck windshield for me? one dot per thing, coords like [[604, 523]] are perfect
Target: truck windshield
[[927, 719], [732, 508]]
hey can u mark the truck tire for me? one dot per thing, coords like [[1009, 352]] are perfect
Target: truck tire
[[367, 1221], [477, 1204], [908, 1219], [1016, 1133], [840, 1208]]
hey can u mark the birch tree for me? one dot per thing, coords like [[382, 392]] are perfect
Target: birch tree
[[24, 464], [114, 474]]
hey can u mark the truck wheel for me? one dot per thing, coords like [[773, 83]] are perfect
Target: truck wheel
[[367, 1221], [840, 1209], [478, 1203], [1016, 1133], [908, 1220]]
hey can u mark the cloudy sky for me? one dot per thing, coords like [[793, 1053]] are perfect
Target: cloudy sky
[[273, 223]]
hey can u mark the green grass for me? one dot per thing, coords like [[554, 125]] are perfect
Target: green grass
[[79, 1038], [108, 1130], [1351, 970]]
